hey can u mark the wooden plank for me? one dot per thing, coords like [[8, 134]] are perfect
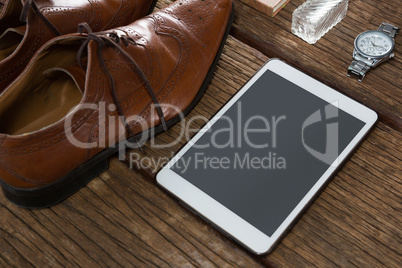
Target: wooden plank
[[124, 219], [353, 222], [330, 57], [120, 219]]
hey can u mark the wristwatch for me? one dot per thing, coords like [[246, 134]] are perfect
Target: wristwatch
[[372, 48]]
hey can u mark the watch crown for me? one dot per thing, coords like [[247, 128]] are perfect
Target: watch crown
[[392, 55]]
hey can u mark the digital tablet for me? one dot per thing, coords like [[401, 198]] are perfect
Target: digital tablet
[[261, 160]]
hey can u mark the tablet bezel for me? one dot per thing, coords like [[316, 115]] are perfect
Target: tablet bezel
[[226, 220]]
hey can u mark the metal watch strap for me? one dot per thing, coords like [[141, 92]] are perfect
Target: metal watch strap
[[389, 29], [359, 69]]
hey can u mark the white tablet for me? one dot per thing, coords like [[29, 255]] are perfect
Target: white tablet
[[261, 160]]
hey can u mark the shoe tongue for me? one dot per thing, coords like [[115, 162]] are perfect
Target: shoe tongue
[[74, 71], [10, 40], [9, 14], [17, 30]]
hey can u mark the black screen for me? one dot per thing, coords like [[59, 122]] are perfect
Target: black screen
[[268, 150]]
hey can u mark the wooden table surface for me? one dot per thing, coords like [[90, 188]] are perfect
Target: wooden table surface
[[124, 219]]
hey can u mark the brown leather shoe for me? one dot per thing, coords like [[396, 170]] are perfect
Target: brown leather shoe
[[60, 122], [46, 19]]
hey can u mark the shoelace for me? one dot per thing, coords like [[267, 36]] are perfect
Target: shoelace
[[113, 39], [24, 15]]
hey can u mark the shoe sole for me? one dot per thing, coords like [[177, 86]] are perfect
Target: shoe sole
[[152, 7], [58, 191]]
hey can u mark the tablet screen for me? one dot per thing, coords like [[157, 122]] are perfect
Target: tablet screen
[[268, 150]]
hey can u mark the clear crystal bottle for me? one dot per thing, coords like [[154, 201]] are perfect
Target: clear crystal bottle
[[314, 18]]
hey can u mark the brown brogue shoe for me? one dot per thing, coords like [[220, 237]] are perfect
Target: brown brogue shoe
[[26, 25], [60, 120]]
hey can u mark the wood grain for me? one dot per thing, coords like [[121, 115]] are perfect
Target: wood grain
[[330, 57], [123, 219], [119, 220], [356, 220]]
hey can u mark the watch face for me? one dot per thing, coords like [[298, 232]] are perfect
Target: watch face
[[374, 44]]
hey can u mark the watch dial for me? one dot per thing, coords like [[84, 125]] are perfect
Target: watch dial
[[374, 43]]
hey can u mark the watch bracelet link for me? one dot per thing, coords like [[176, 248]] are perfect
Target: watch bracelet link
[[389, 29], [359, 68]]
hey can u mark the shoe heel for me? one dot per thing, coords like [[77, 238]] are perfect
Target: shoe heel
[[55, 193]]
